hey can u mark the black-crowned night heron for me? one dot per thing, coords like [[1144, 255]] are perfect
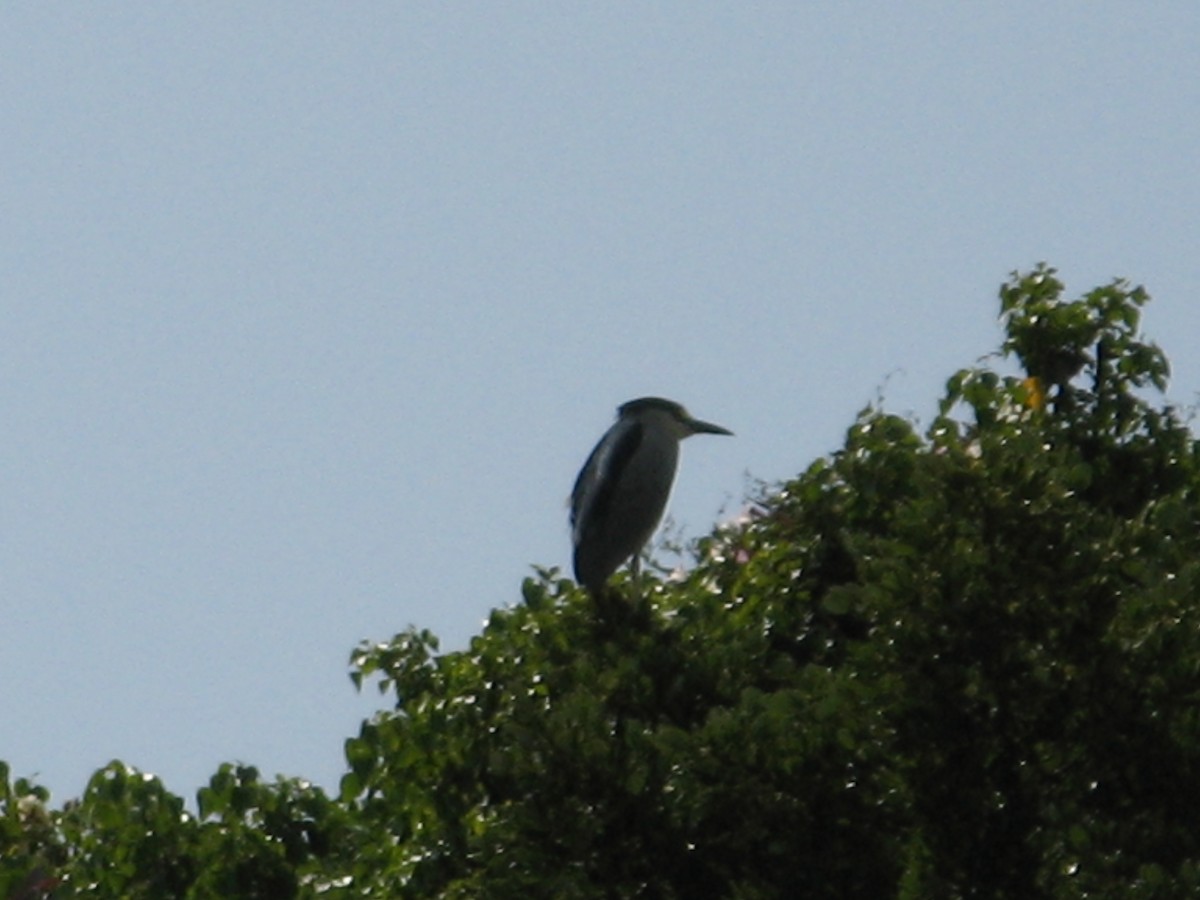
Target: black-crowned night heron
[[622, 490]]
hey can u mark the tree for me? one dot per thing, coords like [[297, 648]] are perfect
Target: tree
[[958, 663]]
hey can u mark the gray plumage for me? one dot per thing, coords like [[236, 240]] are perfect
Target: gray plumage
[[622, 490]]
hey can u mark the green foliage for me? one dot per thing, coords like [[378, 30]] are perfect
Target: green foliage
[[962, 663], [29, 850], [128, 837]]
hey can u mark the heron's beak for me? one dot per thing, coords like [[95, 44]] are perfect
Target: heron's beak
[[699, 427]]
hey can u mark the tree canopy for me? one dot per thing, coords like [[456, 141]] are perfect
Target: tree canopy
[[953, 662]]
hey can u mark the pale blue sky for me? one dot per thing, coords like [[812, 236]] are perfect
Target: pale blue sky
[[311, 311]]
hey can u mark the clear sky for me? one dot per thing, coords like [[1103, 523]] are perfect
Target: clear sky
[[310, 312]]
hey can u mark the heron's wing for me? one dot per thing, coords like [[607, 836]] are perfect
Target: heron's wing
[[598, 478]]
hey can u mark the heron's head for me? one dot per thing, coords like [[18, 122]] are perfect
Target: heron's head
[[669, 414]]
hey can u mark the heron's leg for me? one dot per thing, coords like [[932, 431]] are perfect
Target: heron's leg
[[635, 571]]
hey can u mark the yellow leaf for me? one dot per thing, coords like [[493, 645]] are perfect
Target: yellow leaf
[[1035, 395]]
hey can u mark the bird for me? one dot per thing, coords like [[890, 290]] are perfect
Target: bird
[[622, 489]]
